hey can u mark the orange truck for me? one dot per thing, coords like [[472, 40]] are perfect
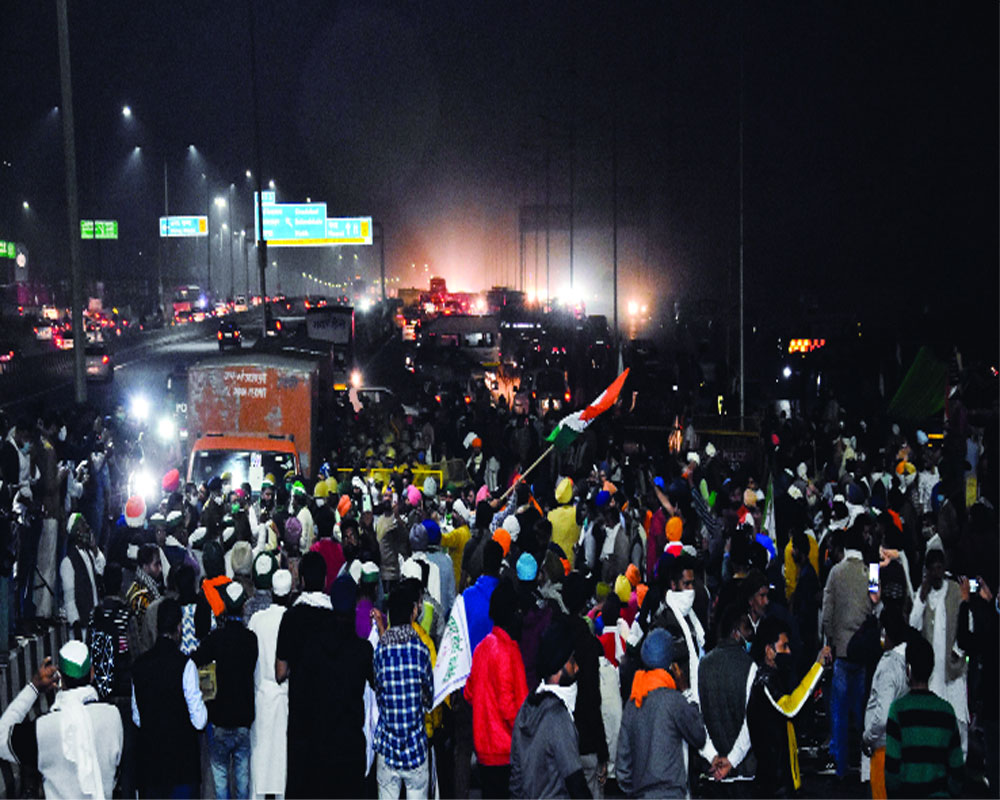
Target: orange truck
[[251, 415]]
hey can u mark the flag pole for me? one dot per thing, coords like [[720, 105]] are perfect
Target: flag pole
[[528, 470]]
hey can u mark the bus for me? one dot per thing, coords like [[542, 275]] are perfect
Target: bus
[[187, 301]]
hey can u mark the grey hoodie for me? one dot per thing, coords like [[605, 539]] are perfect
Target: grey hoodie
[[543, 750]]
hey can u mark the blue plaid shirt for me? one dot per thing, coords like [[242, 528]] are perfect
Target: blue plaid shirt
[[404, 686]]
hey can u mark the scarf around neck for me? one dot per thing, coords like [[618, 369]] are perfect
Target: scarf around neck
[[646, 680], [79, 744]]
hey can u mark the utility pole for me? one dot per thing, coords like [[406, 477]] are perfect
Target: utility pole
[[378, 231], [742, 384], [208, 232], [163, 242], [69, 151], [232, 233]]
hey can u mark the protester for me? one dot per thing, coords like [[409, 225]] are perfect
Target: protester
[[269, 733], [168, 709], [657, 722], [404, 687], [496, 689], [77, 745], [233, 650], [544, 754], [888, 685], [326, 752], [923, 748], [774, 702]]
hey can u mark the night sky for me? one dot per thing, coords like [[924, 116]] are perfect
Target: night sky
[[870, 135]]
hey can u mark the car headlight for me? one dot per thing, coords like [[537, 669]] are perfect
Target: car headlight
[[165, 429], [356, 378], [144, 485], [140, 407]]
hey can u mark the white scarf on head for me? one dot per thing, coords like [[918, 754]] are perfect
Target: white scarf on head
[[79, 745]]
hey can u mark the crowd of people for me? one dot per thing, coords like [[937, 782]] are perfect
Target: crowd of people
[[624, 618]]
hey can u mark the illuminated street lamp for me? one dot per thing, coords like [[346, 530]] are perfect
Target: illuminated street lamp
[[127, 112]]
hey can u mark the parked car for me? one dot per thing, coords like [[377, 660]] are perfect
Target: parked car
[[100, 366], [229, 335]]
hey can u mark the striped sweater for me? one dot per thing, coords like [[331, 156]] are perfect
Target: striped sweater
[[923, 751]]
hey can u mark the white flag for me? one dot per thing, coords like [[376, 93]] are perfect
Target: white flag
[[454, 658]]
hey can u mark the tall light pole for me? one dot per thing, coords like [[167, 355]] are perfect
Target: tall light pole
[[378, 231], [69, 150], [220, 203], [232, 229]]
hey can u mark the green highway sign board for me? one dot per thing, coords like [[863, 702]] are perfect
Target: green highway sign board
[[98, 229], [8, 249]]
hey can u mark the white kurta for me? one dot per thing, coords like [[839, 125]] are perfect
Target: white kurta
[[956, 691], [269, 733]]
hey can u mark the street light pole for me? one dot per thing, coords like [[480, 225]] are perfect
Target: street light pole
[[208, 231], [232, 233], [69, 150], [377, 229]]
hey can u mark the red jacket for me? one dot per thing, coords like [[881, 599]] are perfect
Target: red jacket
[[496, 688]]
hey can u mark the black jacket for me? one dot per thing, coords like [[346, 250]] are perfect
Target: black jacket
[[233, 648], [589, 722], [167, 753]]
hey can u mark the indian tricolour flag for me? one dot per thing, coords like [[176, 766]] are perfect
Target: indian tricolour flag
[[574, 424]]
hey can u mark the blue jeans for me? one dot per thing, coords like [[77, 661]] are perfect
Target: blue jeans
[[847, 699], [230, 746]]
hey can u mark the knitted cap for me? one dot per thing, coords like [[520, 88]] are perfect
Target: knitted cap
[[264, 567], [513, 527], [235, 597], [623, 588], [74, 522], [675, 527], [321, 491], [430, 487], [241, 558], [632, 573], [369, 572], [281, 583], [74, 659]]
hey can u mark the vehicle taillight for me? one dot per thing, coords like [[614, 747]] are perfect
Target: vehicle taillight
[[219, 334], [437, 397], [105, 359], [277, 325], [567, 396]]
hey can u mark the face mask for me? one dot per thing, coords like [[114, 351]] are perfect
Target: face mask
[[320, 502], [747, 644], [26, 448], [784, 663], [682, 601], [235, 508], [62, 434], [217, 500]]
